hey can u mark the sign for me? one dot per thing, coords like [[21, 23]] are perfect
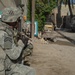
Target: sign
[[0, 14]]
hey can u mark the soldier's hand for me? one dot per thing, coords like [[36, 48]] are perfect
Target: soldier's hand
[[20, 43], [24, 40]]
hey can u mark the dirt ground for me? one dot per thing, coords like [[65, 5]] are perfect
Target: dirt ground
[[53, 58]]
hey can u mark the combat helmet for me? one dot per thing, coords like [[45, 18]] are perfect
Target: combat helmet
[[11, 14]]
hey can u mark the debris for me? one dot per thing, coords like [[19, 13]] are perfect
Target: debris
[[43, 41]]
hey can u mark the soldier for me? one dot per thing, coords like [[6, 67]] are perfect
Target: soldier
[[9, 51]]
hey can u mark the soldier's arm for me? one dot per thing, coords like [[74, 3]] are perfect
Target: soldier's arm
[[2, 55], [14, 51]]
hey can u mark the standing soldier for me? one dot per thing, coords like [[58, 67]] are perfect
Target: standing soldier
[[10, 52]]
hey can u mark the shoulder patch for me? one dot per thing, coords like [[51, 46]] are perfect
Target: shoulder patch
[[7, 42]]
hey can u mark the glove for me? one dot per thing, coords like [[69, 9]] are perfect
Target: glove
[[20, 43], [24, 40]]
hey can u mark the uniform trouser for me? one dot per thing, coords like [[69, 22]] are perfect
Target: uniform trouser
[[20, 69]]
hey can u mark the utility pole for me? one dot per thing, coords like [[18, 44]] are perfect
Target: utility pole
[[33, 19]]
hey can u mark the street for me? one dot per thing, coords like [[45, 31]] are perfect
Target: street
[[53, 58]]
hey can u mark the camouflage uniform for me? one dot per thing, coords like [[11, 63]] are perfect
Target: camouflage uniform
[[9, 52]]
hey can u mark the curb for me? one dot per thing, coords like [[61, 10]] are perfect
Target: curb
[[68, 38]]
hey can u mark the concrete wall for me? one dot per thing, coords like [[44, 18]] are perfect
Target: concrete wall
[[65, 10]]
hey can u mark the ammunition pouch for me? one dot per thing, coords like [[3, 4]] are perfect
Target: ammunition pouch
[[28, 50]]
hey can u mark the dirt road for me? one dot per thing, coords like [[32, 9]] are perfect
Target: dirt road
[[53, 59]]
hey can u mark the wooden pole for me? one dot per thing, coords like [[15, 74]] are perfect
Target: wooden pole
[[33, 19]]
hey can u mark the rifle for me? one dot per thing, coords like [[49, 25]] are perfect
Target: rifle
[[21, 34]]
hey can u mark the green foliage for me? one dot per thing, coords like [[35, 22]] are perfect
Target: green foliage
[[29, 10], [42, 9]]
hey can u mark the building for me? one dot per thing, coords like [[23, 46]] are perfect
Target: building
[[64, 14]]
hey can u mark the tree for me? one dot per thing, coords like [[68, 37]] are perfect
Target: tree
[[66, 2], [70, 6], [42, 9]]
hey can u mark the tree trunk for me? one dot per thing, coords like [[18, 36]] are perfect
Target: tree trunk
[[70, 9]]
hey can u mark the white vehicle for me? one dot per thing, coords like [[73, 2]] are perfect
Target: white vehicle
[[48, 32]]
